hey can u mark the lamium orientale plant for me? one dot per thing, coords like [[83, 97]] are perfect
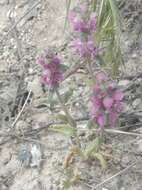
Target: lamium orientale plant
[[105, 102]]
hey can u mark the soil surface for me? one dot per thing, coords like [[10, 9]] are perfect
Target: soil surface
[[31, 156]]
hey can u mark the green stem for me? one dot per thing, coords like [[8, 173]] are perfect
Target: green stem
[[89, 68], [70, 119]]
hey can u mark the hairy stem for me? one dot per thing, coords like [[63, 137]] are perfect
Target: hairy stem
[[70, 119]]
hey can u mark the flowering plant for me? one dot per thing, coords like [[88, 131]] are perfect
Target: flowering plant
[[84, 24], [52, 74], [106, 100]]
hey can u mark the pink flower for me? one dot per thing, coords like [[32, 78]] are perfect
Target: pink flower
[[52, 74], [91, 48], [113, 117], [71, 16], [81, 23], [101, 76], [118, 106], [118, 95], [84, 23], [92, 22], [95, 106], [41, 60], [108, 102], [56, 60], [77, 46], [96, 89], [84, 49], [100, 119], [84, 7]]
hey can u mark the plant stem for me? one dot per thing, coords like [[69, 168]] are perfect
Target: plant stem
[[89, 68], [70, 119]]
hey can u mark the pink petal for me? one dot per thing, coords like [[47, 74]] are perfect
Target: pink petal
[[108, 102], [113, 116], [83, 7], [92, 21], [41, 60], [96, 89], [100, 120], [112, 85], [118, 95], [118, 106], [71, 16], [101, 76], [56, 60]]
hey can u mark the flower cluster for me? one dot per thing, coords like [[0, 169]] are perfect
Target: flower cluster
[[84, 24], [52, 74], [106, 103]]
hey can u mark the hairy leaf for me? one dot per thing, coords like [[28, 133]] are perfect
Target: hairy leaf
[[92, 148], [100, 157], [63, 129]]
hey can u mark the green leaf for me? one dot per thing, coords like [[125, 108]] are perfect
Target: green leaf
[[108, 34], [68, 4], [100, 157], [115, 14], [88, 81], [63, 118], [67, 184], [94, 4], [92, 148], [64, 67], [63, 129], [100, 61]]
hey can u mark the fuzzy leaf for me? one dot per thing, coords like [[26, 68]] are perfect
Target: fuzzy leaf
[[100, 60], [64, 68], [62, 117], [63, 129], [92, 148], [100, 157]]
